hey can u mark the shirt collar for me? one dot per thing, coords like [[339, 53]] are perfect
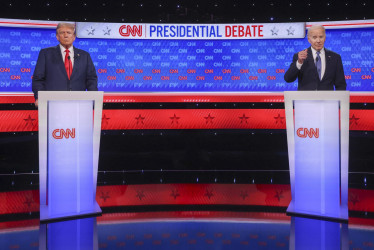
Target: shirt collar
[[315, 51], [62, 48]]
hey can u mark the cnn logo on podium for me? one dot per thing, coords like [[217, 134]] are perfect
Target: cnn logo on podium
[[308, 132], [61, 133]]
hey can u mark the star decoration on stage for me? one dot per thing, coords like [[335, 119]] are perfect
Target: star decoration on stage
[[353, 120], [192, 242], [291, 31], [121, 244], [218, 235], [130, 236], [243, 194], [138, 243], [354, 199], [201, 234], [29, 120], [209, 194], [139, 119], [29, 201], [274, 31], [279, 119], [91, 31], [209, 241], [104, 119], [279, 195], [105, 196], [243, 118], [140, 194], [175, 193], [107, 31], [174, 242], [174, 119], [208, 119]]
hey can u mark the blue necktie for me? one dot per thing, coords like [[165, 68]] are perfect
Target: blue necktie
[[318, 64]]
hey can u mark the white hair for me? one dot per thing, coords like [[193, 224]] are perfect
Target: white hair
[[317, 27]]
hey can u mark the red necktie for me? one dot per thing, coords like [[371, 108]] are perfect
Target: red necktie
[[68, 64]]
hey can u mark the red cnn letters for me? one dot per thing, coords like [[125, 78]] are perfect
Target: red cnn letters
[[304, 132], [60, 133]]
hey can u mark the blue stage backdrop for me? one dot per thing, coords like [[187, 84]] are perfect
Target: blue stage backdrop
[[187, 65]]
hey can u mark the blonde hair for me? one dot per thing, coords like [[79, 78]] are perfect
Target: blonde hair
[[68, 25]]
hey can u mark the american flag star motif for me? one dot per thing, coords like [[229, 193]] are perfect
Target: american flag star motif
[[29, 121], [174, 119], [353, 120], [105, 195], [139, 119], [209, 119], [279, 119], [140, 194]]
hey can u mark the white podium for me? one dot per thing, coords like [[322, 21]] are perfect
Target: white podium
[[69, 141], [318, 142]]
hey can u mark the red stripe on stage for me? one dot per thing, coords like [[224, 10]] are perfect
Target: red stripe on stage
[[164, 194], [194, 119], [27, 120], [199, 194], [19, 121], [275, 195], [19, 202], [361, 97], [362, 120], [16, 98]]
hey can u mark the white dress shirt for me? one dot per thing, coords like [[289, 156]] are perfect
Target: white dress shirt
[[323, 60], [71, 54]]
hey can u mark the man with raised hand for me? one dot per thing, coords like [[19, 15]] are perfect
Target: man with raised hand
[[316, 67]]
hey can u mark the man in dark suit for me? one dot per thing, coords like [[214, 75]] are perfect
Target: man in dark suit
[[317, 68], [64, 67]]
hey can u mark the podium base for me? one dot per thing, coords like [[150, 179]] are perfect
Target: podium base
[[342, 218], [46, 217]]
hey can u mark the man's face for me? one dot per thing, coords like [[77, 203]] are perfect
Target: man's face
[[65, 36], [317, 39]]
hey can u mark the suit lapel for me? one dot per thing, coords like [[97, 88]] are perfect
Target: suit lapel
[[327, 62], [76, 62], [60, 61], [311, 62]]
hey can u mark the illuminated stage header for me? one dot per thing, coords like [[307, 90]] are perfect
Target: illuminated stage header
[[190, 31]]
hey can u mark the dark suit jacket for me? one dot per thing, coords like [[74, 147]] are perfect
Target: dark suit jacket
[[308, 77], [50, 72]]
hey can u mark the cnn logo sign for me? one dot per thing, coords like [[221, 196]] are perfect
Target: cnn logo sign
[[305, 132], [61, 133], [127, 30]]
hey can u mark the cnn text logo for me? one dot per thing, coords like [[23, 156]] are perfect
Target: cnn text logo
[[61, 133], [304, 132], [127, 30]]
